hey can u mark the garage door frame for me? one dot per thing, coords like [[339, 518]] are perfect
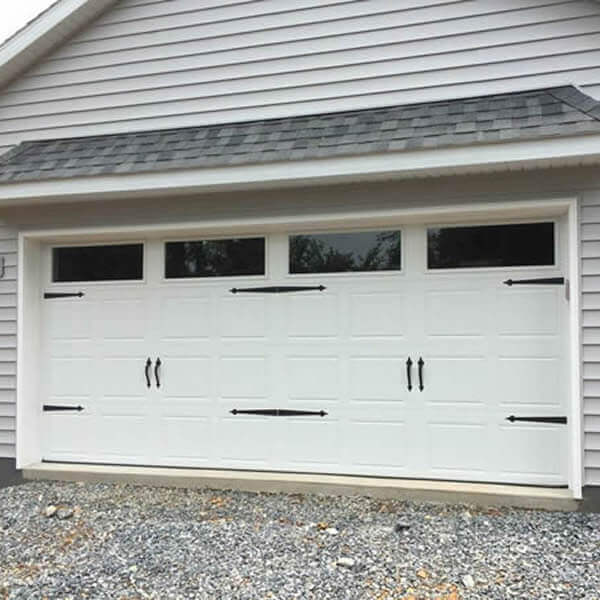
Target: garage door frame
[[30, 292]]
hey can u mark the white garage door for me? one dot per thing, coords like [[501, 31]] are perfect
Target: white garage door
[[402, 353]]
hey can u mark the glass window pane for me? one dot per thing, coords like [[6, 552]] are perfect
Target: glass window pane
[[98, 263], [345, 252], [527, 244], [215, 258]]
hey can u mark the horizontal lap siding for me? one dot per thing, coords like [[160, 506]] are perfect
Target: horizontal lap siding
[[8, 342], [172, 63], [590, 266]]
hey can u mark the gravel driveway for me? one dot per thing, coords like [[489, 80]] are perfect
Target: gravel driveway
[[130, 543]]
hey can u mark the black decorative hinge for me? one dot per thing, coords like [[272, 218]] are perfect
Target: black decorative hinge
[[54, 408], [541, 281], [52, 296], [279, 412], [278, 289], [556, 420]]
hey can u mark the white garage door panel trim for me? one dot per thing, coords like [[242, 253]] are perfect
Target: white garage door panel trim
[[28, 409]]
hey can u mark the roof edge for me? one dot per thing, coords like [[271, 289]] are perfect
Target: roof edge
[[574, 151], [51, 27]]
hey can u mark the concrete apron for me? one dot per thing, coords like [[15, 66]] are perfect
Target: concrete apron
[[256, 481]]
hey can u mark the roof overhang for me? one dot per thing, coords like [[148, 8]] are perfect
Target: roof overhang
[[488, 158], [57, 23]]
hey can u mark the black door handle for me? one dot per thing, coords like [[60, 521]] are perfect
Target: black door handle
[[147, 372], [156, 372], [421, 364], [409, 364]]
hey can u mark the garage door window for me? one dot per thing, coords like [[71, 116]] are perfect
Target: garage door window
[[345, 252], [525, 245], [215, 258], [116, 262]]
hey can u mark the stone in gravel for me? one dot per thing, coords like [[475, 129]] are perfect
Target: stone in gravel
[[64, 512], [346, 562], [332, 531], [469, 581], [401, 527], [50, 510]]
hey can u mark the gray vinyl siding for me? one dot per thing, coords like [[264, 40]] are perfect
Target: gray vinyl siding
[[150, 64], [590, 269], [172, 63], [8, 342]]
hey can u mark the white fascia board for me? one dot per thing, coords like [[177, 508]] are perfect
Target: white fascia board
[[572, 151], [54, 25]]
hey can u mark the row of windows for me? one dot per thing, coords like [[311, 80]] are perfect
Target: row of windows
[[527, 244]]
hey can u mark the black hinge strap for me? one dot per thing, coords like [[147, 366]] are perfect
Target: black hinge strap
[[54, 408], [279, 289], [279, 412], [541, 281], [52, 296], [557, 420]]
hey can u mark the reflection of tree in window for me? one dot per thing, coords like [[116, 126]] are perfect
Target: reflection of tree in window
[[215, 258], [491, 246], [334, 253]]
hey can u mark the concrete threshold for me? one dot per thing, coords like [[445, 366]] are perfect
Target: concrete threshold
[[482, 494]]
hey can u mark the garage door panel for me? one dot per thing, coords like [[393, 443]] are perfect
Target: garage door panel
[[185, 317], [312, 444], [123, 438], [548, 346], [529, 381], [313, 378], [455, 313], [243, 318], [456, 380], [181, 407], [312, 316], [528, 312], [122, 319], [378, 315], [466, 346], [247, 441], [68, 320], [66, 437], [378, 443], [378, 378], [70, 377], [191, 376], [535, 450], [121, 406], [458, 447], [185, 439], [122, 376], [243, 377]]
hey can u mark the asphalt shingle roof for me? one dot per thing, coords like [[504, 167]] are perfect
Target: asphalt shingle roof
[[546, 113]]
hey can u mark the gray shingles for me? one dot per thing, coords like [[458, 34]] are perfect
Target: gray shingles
[[551, 112]]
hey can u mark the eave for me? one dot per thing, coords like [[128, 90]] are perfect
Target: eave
[[34, 41], [503, 157]]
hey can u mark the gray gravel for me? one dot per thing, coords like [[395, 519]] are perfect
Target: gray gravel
[[134, 543]]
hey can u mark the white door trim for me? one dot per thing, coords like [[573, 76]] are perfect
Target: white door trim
[[29, 296]]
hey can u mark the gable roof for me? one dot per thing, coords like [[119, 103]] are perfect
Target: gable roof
[[531, 115], [52, 26]]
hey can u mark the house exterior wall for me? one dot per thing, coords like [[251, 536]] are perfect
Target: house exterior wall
[[158, 64], [148, 65], [590, 269]]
